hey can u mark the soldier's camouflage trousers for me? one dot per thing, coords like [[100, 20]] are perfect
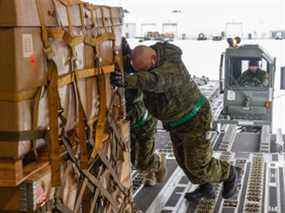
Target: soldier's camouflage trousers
[[193, 150], [143, 138]]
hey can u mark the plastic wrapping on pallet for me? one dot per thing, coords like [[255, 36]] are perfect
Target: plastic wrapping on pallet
[[83, 42]]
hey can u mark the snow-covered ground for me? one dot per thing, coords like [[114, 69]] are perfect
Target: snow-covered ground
[[203, 58]]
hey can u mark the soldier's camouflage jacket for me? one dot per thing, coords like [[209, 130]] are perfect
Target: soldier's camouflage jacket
[[143, 125], [134, 97], [169, 95], [250, 79], [169, 92]]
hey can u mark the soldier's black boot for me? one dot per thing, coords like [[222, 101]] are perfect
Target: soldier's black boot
[[203, 191], [231, 184]]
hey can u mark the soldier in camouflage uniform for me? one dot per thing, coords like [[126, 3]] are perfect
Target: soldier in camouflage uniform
[[254, 76], [171, 96], [143, 128]]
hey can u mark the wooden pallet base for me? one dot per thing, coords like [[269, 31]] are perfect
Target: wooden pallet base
[[14, 172], [28, 196]]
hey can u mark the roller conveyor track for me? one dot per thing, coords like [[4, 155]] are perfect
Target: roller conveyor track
[[262, 185]]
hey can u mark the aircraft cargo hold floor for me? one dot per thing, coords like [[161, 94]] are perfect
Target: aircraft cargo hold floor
[[261, 187]]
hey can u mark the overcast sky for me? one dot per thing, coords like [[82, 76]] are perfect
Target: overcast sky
[[206, 15]]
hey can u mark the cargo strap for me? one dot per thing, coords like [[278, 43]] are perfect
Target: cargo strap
[[53, 106], [62, 81], [32, 134], [118, 57], [99, 39], [18, 96], [53, 102], [186, 118], [82, 15], [82, 118], [118, 60], [35, 118], [101, 128], [73, 41], [108, 165], [72, 77], [83, 74], [94, 201], [60, 34], [101, 134], [141, 121], [113, 125], [61, 208], [83, 126], [23, 135], [57, 205], [48, 50], [113, 173], [82, 191], [54, 81], [86, 174], [83, 139], [70, 2], [103, 190]]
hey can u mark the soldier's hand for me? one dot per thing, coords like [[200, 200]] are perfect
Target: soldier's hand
[[126, 47], [117, 79]]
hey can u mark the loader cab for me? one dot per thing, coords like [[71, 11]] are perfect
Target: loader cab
[[248, 98]]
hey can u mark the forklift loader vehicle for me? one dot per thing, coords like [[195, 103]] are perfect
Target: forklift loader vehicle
[[246, 105]]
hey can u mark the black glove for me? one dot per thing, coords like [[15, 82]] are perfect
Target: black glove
[[126, 50], [117, 79]]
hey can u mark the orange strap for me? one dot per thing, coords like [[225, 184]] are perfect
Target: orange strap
[[62, 81], [101, 128], [72, 42], [86, 73], [35, 117], [70, 2], [19, 96], [53, 103]]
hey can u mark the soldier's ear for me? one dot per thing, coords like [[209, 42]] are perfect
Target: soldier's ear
[[154, 60]]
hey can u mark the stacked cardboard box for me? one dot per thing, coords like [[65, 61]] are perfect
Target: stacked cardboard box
[[79, 44]]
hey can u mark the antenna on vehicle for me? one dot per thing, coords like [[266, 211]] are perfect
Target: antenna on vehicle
[[234, 42]]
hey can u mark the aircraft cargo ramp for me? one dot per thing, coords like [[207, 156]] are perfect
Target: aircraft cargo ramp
[[255, 150]]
